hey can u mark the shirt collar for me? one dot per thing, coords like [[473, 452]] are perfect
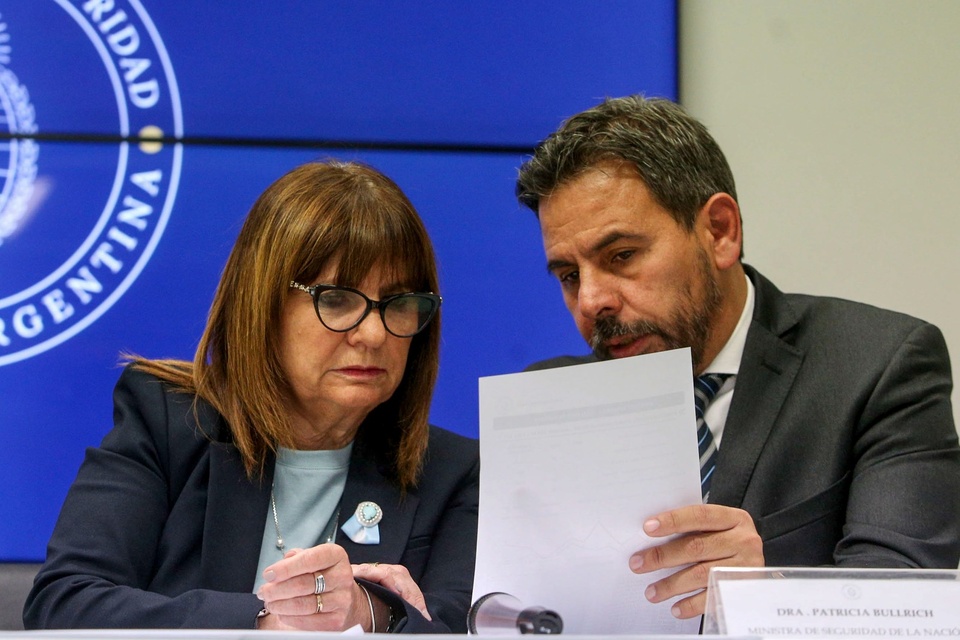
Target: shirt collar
[[728, 360]]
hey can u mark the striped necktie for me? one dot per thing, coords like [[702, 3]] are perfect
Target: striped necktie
[[705, 388]]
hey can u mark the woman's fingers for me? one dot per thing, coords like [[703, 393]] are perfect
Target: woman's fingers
[[397, 579], [293, 583]]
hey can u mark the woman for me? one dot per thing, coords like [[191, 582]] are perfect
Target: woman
[[236, 491]]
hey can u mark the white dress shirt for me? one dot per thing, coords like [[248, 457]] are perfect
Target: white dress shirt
[[728, 361]]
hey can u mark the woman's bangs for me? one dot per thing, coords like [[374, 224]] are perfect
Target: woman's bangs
[[388, 241]]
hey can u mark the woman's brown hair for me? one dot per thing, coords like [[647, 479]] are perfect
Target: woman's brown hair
[[318, 212]]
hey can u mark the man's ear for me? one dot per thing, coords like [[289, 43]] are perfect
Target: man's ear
[[720, 225]]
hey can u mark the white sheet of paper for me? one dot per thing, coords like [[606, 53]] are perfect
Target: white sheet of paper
[[841, 607], [573, 461]]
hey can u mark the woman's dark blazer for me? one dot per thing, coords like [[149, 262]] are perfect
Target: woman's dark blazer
[[162, 527]]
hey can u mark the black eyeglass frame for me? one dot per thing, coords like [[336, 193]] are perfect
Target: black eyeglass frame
[[379, 305]]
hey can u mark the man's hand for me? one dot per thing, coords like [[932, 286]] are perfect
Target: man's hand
[[709, 536]]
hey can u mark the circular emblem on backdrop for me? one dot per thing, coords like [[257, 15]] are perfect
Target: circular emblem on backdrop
[[79, 220]]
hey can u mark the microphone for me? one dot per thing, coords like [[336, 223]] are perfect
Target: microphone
[[501, 614]]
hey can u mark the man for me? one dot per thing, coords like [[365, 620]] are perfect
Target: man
[[835, 436]]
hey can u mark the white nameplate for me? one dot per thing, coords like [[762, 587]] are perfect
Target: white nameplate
[[826, 607]]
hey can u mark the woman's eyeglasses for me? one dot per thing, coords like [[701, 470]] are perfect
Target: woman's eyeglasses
[[342, 308]]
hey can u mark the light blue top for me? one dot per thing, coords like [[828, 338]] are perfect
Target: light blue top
[[307, 486]]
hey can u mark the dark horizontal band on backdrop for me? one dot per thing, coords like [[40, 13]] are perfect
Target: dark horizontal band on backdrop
[[285, 143]]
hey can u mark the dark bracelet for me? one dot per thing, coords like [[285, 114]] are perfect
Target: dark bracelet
[[391, 621]]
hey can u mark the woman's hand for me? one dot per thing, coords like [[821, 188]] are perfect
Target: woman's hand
[[291, 596], [396, 578]]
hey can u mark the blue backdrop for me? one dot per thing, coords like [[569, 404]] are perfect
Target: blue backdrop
[[110, 242]]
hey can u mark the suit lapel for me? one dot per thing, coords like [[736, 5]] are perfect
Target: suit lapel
[[237, 508], [235, 516], [366, 482], [767, 372]]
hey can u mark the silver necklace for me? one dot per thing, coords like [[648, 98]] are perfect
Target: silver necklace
[[276, 520], [328, 531]]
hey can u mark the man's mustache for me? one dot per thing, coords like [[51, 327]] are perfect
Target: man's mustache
[[608, 328]]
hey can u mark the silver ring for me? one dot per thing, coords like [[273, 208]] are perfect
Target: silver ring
[[319, 603], [321, 584]]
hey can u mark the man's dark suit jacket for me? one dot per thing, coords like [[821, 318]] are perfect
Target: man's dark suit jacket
[[840, 440], [162, 527]]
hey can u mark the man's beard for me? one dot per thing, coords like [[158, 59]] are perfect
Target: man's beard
[[689, 325]]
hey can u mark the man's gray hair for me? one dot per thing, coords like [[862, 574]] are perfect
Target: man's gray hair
[[677, 159]]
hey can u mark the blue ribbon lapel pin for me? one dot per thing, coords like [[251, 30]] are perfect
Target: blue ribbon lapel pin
[[363, 526]]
